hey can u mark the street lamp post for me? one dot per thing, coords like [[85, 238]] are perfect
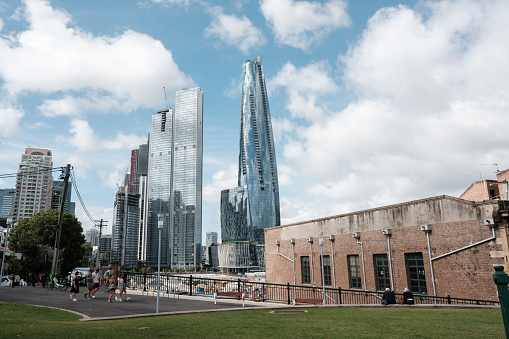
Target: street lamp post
[[160, 223], [9, 222], [320, 241]]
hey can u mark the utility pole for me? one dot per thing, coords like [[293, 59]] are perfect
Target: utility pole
[[60, 220], [98, 259]]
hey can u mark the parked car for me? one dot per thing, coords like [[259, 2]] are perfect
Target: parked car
[[83, 272], [6, 281]]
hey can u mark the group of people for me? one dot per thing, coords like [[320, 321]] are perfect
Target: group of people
[[122, 287], [94, 279], [390, 298]]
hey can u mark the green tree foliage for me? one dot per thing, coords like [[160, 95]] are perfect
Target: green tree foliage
[[35, 239]]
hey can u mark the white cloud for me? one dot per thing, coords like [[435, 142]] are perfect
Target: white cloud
[[234, 31], [84, 138], [304, 88], [301, 24], [432, 89], [53, 57], [9, 119], [224, 179]]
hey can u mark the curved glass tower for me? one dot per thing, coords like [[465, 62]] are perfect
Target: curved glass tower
[[254, 205], [257, 156]]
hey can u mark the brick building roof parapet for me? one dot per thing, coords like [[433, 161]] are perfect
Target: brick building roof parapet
[[388, 207]]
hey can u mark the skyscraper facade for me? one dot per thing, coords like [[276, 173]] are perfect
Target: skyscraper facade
[[186, 202], [254, 205], [175, 161], [6, 200], [33, 183], [211, 238], [56, 197], [125, 226]]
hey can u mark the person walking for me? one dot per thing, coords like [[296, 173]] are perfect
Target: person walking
[[111, 287], [107, 275], [121, 287], [126, 285], [75, 286], [95, 279], [388, 297], [90, 284]]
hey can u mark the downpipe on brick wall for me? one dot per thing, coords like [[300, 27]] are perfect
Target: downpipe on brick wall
[[390, 259], [363, 264], [431, 266]]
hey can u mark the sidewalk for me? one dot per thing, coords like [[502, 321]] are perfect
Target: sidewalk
[[139, 305]]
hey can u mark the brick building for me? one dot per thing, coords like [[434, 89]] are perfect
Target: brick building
[[392, 246]]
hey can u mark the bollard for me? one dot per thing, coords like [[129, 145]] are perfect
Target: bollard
[[502, 280]]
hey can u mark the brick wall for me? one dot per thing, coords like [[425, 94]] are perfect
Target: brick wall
[[466, 274]]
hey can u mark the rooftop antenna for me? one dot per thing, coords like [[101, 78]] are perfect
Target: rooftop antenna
[[165, 98], [492, 165]]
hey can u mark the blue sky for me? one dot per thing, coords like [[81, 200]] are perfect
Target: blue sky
[[373, 102]]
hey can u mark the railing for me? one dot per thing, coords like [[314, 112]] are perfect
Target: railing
[[258, 291]]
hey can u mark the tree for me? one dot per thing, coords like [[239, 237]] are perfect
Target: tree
[[35, 237]]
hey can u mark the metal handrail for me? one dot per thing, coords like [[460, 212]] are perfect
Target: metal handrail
[[192, 285]]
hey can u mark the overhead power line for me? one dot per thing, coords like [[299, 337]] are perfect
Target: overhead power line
[[25, 173], [73, 180]]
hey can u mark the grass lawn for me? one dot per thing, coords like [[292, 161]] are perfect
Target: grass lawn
[[25, 321]]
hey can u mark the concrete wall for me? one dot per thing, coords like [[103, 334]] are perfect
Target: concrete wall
[[455, 223]]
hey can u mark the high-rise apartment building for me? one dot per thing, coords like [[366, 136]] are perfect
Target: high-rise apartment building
[[254, 205], [175, 161], [34, 183]]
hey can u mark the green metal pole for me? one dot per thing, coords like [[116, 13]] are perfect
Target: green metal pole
[[502, 280]]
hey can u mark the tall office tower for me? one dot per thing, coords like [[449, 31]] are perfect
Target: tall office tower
[[211, 238], [133, 172], [254, 205], [105, 249], [34, 183], [186, 221], [175, 183], [142, 169], [125, 227], [92, 237], [6, 200]]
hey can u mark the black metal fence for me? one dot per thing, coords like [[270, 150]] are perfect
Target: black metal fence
[[259, 291]]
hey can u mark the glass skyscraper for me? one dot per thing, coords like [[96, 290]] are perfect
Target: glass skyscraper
[[254, 205], [174, 189], [125, 226]]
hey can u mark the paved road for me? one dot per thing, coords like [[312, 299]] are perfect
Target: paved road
[[99, 308]]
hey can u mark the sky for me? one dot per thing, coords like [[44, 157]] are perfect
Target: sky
[[372, 102]]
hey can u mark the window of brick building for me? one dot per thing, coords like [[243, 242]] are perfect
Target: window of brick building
[[306, 270], [415, 273], [326, 270], [354, 271], [382, 274]]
